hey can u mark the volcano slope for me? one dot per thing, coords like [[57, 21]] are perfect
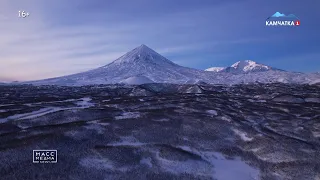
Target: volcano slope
[[161, 131]]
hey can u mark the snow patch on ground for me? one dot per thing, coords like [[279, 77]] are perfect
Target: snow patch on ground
[[99, 123], [226, 169], [190, 166], [85, 102], [104, 124], [127, 141], [146, 161], [242, 135], [312, 100], [82, 104], [255, 149], [277, 157], [136, 80], [128, 115], [2, 105], [283, 109], [98, 128], [316, 134], [226, 118], [288, 99], [96, 163], [31, 115], [161, 120], [185, 138], [192, 90], [252, 100], [212, 112], [74, 134], [314, 82]]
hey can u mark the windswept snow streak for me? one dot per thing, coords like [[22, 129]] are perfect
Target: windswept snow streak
[[81, 104]]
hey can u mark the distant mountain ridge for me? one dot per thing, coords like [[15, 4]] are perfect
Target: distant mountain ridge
[[144, 65]]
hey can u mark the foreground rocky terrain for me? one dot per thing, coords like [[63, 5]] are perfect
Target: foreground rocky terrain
[[162, 131]]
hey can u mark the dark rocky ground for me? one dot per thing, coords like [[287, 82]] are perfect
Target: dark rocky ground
[[162, 131]]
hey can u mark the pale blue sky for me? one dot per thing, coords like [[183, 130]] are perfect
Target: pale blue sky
[[63, 37]]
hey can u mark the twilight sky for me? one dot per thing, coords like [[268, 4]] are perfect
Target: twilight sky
[[63, 37]]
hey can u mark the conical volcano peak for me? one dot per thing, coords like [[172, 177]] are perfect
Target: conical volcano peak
[[143, 54], [143, 46], [143, 49]]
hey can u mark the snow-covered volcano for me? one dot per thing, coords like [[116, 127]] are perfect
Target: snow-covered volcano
[[142, 63], [245, 66]]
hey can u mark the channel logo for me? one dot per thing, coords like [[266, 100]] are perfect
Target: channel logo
[[279, 19], [45, 156]]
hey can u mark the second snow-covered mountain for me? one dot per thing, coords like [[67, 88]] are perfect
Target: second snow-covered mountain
[[246, 66]]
